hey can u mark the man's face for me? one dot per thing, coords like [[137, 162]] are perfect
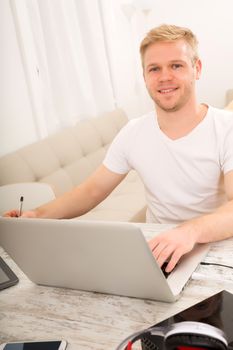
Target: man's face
[[170, 74]]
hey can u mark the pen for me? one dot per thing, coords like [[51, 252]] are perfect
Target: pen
[[21, 206]]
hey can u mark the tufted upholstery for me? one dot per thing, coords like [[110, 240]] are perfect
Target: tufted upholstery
[[66, 158]]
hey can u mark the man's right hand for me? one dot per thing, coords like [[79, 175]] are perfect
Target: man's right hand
[[16, 214]]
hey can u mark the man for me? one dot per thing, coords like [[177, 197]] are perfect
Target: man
[[183, 152]]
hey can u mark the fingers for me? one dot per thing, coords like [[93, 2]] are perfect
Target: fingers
[[11, 214], [162, 252], [174, 260], [16, 214], [168, 253], [170, 247]]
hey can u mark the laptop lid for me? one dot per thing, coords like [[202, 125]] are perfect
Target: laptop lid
[[106, 257]]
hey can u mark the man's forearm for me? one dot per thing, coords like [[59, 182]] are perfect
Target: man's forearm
[[213, 227], [72, 204], [81, 199]]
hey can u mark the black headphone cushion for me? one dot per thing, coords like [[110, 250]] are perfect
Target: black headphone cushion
[[175, 341]]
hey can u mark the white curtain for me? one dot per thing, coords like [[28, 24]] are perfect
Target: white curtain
[[64, 57], [80, 58]]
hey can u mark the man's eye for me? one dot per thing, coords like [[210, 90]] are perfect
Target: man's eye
[[153, 69], [176, 66]]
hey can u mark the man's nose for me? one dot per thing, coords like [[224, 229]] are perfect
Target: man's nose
[[165, 74]]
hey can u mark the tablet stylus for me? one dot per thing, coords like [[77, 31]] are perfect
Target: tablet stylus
[[21, 206]]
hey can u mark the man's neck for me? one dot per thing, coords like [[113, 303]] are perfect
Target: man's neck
[[180, 123]]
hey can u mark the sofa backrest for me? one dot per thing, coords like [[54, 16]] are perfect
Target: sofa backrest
[[66, 158]]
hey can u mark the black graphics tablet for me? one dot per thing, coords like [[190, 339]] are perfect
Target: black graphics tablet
[[7, 276]]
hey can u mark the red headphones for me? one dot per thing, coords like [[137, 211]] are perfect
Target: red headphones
[[182, 336]]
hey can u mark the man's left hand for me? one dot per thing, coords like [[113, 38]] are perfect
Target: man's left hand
[[171, 245]]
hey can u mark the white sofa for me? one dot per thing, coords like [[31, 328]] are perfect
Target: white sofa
[[66, 158]]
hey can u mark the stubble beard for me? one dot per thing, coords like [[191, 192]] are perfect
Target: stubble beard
[[177, 105]]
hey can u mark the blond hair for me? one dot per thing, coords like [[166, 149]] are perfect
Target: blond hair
[[166, 32]]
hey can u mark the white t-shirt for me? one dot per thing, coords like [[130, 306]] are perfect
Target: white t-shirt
[[183, 178]]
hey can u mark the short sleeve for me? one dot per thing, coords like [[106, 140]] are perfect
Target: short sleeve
[[116, 158]]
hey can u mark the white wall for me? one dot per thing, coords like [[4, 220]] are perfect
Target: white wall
[[15, 109]]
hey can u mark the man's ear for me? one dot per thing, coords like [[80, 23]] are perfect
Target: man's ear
[[198, 66]]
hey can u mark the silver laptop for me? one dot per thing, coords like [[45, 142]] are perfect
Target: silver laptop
[[106, 257]]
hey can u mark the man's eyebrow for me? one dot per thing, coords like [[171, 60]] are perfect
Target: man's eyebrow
[[177, 61], [153, 64]]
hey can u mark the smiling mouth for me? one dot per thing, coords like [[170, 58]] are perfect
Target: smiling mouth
[[167, 91]]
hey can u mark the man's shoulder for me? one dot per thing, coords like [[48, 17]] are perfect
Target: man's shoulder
[[134, 126], [138, 122]]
